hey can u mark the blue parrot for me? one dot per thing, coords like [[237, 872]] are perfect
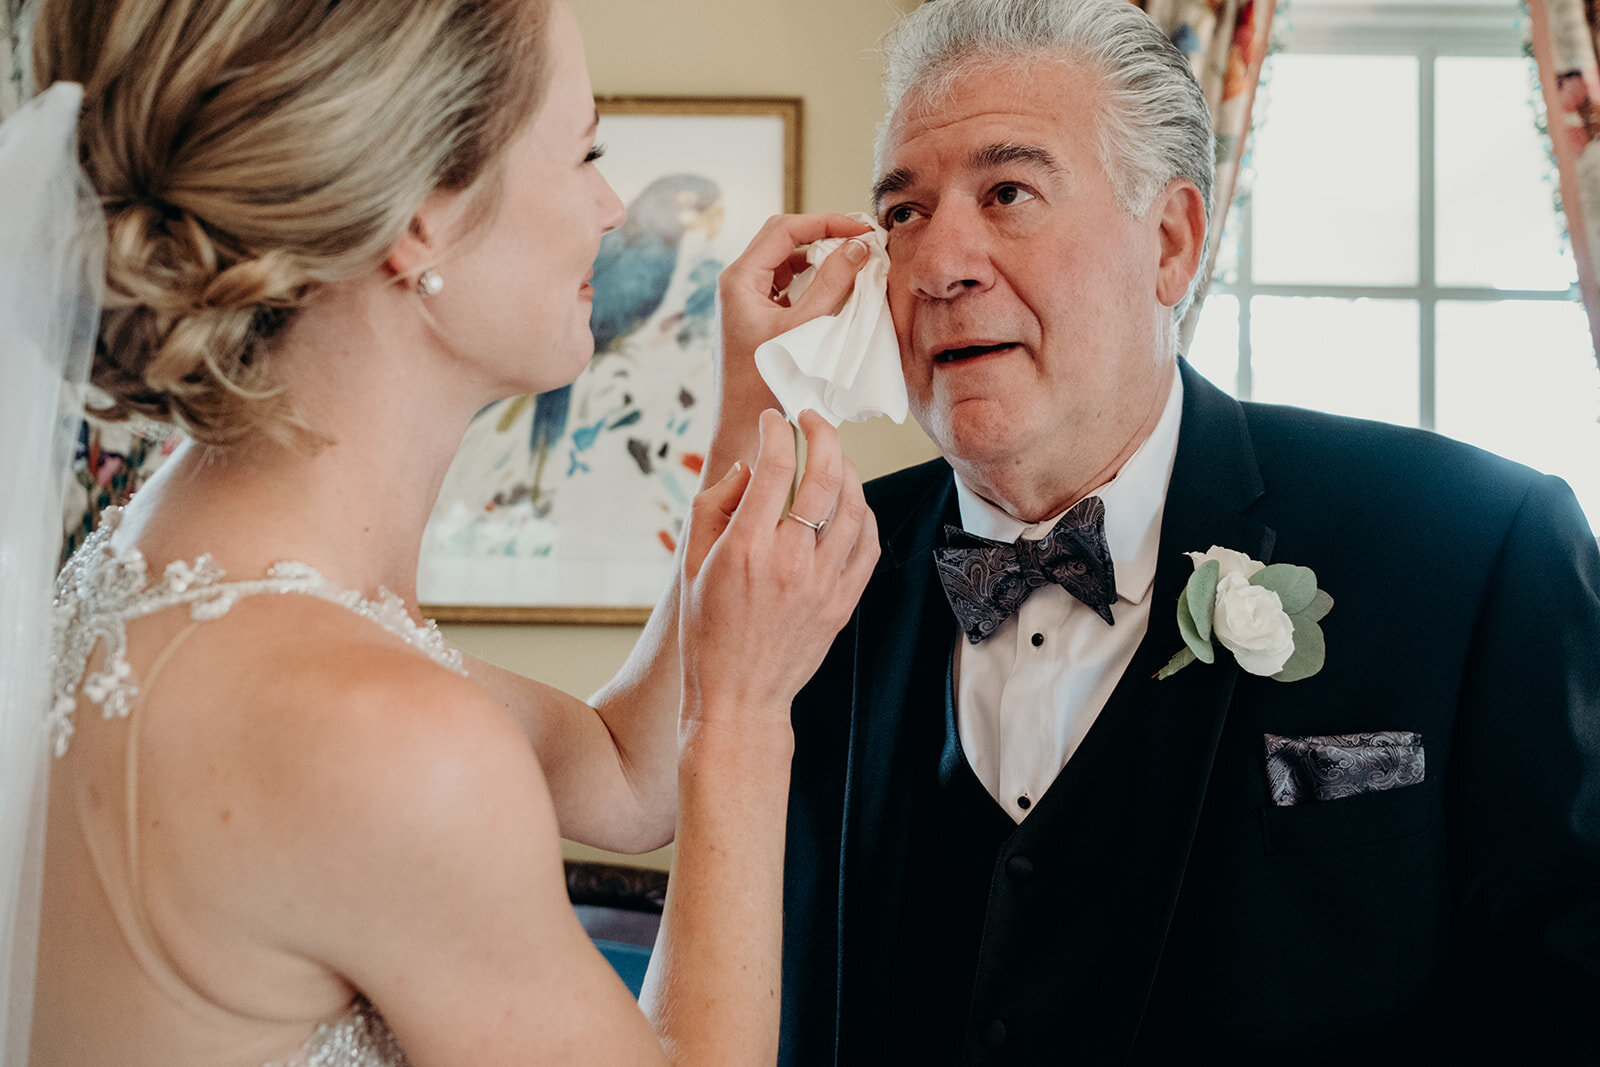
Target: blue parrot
[[632, 271]]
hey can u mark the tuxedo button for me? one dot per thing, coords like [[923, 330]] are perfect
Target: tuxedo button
[[995, 1034], [1019, 867], [1038, 639]]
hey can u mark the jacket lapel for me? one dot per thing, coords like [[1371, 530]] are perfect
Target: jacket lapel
[[1173, 726], [905, 632]]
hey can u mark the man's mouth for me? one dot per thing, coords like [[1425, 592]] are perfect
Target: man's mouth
[[952, 355]]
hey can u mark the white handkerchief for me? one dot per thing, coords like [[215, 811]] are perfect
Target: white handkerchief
[[844, 366]]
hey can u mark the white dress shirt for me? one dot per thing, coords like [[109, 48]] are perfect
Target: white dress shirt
[[1026, 697]]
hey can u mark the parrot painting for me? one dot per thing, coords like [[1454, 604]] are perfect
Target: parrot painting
[[632, 272]]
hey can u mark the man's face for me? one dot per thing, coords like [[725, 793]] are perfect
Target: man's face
[[1024, 296]]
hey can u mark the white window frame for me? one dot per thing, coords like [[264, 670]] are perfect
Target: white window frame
[[1426, 31]]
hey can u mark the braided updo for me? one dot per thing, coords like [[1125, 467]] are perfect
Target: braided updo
[[246, 151]]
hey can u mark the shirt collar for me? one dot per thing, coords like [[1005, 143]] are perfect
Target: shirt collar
[[1135, 499]]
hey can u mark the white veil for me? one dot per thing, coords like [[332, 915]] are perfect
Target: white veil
[[52, 250]]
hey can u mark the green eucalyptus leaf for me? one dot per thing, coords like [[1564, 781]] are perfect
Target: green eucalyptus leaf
[[1320, 605], [1201, 594], [1176, 664], [1295, 586], [1309, 651], [1199, 647]]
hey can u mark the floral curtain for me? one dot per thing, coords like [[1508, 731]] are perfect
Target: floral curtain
[[1226, 41], [1564, 45]]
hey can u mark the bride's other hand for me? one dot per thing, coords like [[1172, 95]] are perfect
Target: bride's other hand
[[764, 594], [753, 309], [762, 597]]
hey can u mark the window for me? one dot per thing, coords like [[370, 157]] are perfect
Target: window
[[1400, 256]]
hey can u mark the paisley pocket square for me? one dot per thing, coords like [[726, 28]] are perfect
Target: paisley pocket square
[[1305, 769]]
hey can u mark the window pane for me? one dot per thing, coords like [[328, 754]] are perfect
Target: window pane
[[1350, 357], [1225, 271], [1335, 197], [1214, 349], [1495, 205], [1519, 378]]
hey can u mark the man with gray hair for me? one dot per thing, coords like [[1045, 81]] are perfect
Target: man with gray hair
[[1083, 781]]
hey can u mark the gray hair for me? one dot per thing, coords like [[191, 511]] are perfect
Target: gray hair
[[1153, 124]]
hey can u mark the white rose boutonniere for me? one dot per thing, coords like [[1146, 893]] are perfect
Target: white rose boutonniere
[[1266, 616]]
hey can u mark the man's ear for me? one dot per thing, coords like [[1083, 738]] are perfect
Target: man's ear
[[1183, 230], [425, 238]]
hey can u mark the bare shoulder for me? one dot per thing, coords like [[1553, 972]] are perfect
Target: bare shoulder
[[303, 763], [327, 685]]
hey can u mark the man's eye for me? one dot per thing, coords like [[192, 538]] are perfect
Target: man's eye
[[1006, 195], [595, 153], [900, 213]]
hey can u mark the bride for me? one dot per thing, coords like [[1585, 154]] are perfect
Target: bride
[[286, 822]]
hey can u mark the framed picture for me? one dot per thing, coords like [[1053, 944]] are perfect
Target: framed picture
[[567, 506]]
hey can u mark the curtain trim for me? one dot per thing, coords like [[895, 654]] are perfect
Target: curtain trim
[[1571, 160]]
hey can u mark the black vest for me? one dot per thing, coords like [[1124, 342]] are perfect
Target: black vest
[[973, 968]]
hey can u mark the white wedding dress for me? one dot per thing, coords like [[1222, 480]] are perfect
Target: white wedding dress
[[100, 591]]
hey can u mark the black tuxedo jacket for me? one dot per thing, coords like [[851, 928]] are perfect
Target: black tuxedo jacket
[[1172, 913]]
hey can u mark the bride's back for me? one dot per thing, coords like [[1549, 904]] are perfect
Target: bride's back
[[203, 726]]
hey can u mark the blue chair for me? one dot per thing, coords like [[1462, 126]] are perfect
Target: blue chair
[[629, 961]]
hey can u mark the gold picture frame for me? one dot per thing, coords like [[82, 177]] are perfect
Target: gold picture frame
[[565, 508]]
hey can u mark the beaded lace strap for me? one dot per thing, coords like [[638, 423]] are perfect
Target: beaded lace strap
[[360, 1039], [101, 590]]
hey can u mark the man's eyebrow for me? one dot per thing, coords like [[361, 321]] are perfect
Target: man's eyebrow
[[594, 124], [892, 182], [991, 157]]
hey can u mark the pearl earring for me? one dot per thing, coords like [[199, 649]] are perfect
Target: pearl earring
[[429, 283]]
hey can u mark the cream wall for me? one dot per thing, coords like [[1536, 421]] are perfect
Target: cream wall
[[821, 50]]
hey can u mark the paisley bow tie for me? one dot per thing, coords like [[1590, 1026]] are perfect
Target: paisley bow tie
[[987, 581]]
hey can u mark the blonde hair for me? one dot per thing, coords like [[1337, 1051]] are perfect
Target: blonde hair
[[247, 151]]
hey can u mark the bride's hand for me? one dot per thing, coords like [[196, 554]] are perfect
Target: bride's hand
[[764, 594], [752, 310], [749, 288]]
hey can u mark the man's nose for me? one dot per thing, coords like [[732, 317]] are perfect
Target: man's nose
[[949, 256]]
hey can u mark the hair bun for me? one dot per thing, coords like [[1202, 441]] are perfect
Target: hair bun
[[183, 322], [247, 152]]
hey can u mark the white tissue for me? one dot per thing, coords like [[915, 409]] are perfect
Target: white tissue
[[844, 366]]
